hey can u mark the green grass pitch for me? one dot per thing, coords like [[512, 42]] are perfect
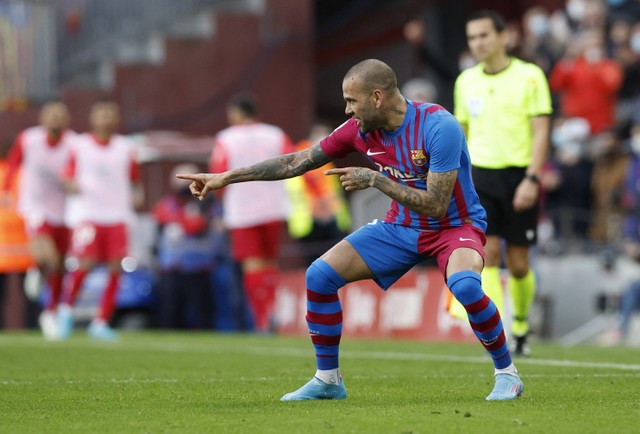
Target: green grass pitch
[[153, 382]]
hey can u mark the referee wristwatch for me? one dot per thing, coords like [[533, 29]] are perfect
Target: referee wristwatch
[[533, 178]]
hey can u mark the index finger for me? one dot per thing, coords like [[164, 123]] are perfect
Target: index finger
[[335, 171], [188, 176]]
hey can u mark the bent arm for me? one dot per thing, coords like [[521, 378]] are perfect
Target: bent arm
[[432, 202]]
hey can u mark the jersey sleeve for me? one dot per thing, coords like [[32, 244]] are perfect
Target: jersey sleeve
[[539, 95], [219, 160], [445, 142], [340, 142]]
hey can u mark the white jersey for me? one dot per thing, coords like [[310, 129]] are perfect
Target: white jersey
[[252, 203], [103, 174], [41, 194]]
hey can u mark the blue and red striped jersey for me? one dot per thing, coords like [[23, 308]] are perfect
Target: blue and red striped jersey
[[429, 139]]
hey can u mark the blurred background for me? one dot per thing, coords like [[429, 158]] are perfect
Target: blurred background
[[173, 67]]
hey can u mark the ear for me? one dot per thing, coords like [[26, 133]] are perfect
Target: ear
[[377, 96]]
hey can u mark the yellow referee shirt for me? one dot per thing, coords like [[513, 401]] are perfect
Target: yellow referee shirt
[[496, 110]]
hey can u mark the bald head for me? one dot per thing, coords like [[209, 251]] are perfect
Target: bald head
[[370, 90], [373, 74]]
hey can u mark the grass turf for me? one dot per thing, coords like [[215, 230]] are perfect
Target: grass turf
[[152, 382]]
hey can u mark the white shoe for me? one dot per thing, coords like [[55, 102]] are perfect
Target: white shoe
[[49, 325]]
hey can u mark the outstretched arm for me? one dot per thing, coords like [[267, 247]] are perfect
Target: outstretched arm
[[282, 167], [432, 202]]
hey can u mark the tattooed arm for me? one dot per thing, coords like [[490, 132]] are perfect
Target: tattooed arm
[[432, 202], [282, 167]]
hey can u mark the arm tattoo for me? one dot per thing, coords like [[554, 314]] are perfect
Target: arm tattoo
[[432, 202], [282, 167]]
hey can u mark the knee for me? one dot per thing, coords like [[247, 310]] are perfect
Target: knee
[[322, 278], [519, 270], [465, 286]]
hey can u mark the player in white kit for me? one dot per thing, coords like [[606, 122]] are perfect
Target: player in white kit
[[102, 176], [41, 152]]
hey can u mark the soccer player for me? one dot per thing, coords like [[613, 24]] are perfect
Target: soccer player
[[254, 213], [101, 175], [503, 105], [422, 164], [41, 152]]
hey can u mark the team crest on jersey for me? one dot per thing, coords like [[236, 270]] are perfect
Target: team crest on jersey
[[418, 157]]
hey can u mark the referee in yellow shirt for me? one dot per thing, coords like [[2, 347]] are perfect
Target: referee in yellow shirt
[[504, 106]]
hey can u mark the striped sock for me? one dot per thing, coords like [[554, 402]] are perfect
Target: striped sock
[[324, 312], [483, 315]]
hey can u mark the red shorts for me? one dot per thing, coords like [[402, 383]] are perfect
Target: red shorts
[[100, 243], [442, 243], [59, 234], [262, 241]]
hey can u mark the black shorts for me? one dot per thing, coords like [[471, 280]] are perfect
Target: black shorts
[[496, 188]]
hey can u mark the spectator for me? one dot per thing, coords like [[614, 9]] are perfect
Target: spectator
[[101, 175], [539, 45], [607, 184], [185, 253], [255, 213], [565, 180], [504, 106], [41, 152], [440, 69], [588, 82]]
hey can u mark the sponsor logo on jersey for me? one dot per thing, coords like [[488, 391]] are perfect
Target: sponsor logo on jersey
[[401, 175]]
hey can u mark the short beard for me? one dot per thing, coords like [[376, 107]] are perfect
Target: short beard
[[371, 125]]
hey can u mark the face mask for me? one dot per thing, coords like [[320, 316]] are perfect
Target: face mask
[[576, 9], [635, 42], [539, 25]]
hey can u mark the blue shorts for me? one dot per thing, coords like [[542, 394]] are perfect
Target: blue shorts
[[390, 250]]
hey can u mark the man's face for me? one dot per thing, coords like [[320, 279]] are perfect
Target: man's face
[[361, 106], [105, 117], [484, 40], [55, 117]]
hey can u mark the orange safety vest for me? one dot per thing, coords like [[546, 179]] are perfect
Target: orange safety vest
[[14, 243]]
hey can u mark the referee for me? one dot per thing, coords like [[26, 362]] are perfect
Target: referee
[[504, 107]]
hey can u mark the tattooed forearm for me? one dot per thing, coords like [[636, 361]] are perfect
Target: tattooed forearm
[[282, 167], [432, 202]]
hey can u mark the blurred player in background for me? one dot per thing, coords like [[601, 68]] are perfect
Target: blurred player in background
[[503, 105], [255, 213], [41, 152], [101, 176], [422, 163]]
